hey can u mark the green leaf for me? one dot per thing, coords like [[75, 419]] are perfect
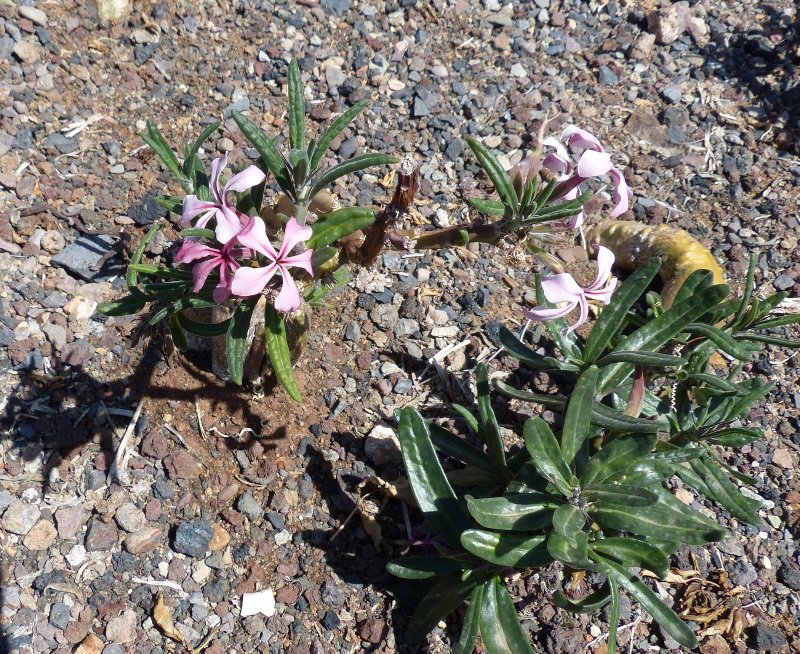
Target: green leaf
[[695, 282], [724, 491], [350, 166], [489, 429], [665, 616], [236, 340], [614, 493], [668, 519], [619, 455], [609, 418], [500, 179], [342, 222], [188, 161], [422, 567], [632, 552], [471, 420], [195, 232], [500, 629], [515, 347], [177, 333], [613, 618], [544, 195], [458, 448], [748, 291], [435, 497], [658, 331], [278, 349], [297, 110], [124, 306], [340, 278], [712, 381], [489, 207], [572, 551], [559, 210], [206, 329], [155, 139], [734, 437], [334, 129], [776, 322], [132, 276], [270, 155], [439, 602], [519, 511], [588, 604], [469, 632], [172, 203], [755, 389], [508, 550], [568, 520], [725, 342], [546, 455], [772, 340], [578, 416], [651, 359]]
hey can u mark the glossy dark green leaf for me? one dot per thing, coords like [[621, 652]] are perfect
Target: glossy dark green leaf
[[518, 349], [172, 203], [627, 494], [650, 359], [333, 130], [342, 222], [658, 331], [519, 511], [613, 617], [422, 567], [712, 381], [568, 520], [500, 179], [203, 328], [632, 552], [544, 195], [546, 455], [619, 455], [499, 625], [792, 319], [270, 155], [192, 152], [236, 339], [489, 207], [177, 333], [195, 232], [725, 342], [340, 278], [439, 602], [350, 166], [553, 401], [489, 428], [734, 437], [430, 486], [469, 631], [772, 340], [509, 550], [578, 416], [726, 492], [155, 139], [469, 418], [589, 604], [124, 306], [748, 291], [278, 350], [297, 112], [162, 271], [754, 389], [614, 420], [697, 281], [458, 448], [668, 519], [572, 551], [132, 276], [662, 614], [560, 210]]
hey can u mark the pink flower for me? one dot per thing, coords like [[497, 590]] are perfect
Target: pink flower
[[593, 162], [229, 220], [224, 259], [563, 289], [251, 281]]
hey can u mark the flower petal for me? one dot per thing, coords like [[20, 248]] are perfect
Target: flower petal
[[191, 251], [229, 224], [302, 260], [594, 164], [580, 138], [541, 313], [556, 163], [217, 166], [202, 270], [289, 298], [251, 281], [206, 218], [605, 260], [192, 205], [561, 288], [244, 180], [293, 234], [604, 294], [584, 315], [254, 236], [621, 195]]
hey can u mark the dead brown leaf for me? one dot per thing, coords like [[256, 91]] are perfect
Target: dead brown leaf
[[162, 616]]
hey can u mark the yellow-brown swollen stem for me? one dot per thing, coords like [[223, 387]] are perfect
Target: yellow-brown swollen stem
[[324, 202], [633, 244]]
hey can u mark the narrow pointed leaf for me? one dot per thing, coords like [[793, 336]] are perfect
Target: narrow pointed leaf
[[633, 553], [196, 232], [499, 625], [350, 166], [735, 436], [333, 130], [578, 416], [651, 359], [469, 631], [155, 139], [124, 306], [469, 418], [188, 162], [500, 179], [560, 210], [508, 550], [490, 430], [613, 618], [278, 349], [518, 512], [622, 494], [726, 492], [725, 342], [546, 454], [430, 486], [489, 207], [270, 155], [589, 604], [236, 340], [297, 111], [422, 567], [342, 222], [458, 448], [697, 281], [748, 291], [773, 340], [203, 328], [619, 455], [515, 347], [439, 602], [776, 322]]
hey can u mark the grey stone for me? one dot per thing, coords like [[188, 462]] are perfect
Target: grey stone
[[192, 538], [742, 573], [130, 517], [403, 385], [61, 143], [100, 536], [348, 147], [336, 6], [60, 615], [248, 505], [112, 148], [767, 638], [79, 257], [784, 282], [216, 590], [146, 211], [672, 94], [789, 576], [20, 517], [405, 327], [352, 331], [607, 76]]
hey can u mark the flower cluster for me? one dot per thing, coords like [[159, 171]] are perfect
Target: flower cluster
[[241, 237]]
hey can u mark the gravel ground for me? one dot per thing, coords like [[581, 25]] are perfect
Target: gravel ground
[[224, 494]]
